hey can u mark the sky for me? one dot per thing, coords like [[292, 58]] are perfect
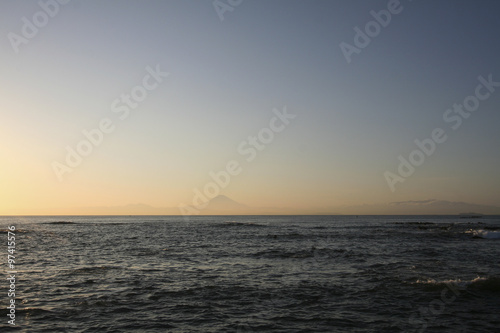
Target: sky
[[306, 104]]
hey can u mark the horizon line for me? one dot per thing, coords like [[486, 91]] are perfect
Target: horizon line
[[201, 215]]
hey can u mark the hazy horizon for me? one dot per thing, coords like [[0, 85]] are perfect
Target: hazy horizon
[[222, 205]]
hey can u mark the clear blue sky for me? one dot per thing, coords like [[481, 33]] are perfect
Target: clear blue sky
[[352, 121]]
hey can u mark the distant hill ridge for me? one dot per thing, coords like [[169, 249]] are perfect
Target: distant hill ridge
[[223, 205]]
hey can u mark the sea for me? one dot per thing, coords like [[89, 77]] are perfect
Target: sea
[[250, 274]]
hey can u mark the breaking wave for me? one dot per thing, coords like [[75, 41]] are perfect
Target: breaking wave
[[479, 283], [487, 234]]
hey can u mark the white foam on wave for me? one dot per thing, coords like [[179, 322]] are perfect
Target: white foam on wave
[[458, 282], [489, 284], [484, 234]]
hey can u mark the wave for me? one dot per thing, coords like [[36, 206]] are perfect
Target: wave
[[479, 283], [239, 224], [292, 235], [60, 222], [415, 223], [313, 252], [27, 311], [17, 231], [91, 270], [484, 234]]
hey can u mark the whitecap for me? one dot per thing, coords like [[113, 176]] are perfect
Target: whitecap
[[484, 234]]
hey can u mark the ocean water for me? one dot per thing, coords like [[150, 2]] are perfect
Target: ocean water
[[253, 274]]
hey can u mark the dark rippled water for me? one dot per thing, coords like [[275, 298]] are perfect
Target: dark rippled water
[[254, 274]]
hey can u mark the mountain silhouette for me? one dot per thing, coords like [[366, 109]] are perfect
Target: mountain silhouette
[[223, 203]]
